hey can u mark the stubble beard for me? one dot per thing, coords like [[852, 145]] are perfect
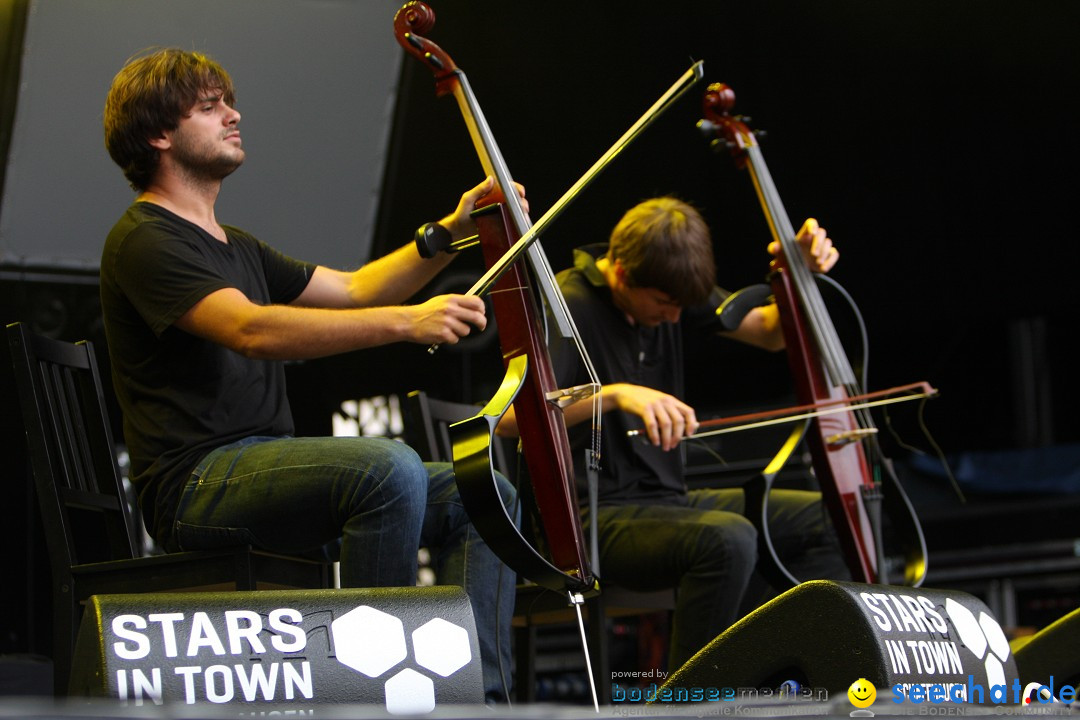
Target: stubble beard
[[205, 164]]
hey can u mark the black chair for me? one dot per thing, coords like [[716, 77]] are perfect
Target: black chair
[[89, 530], [427, 422]]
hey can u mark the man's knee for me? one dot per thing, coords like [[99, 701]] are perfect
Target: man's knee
[[392, 467], [734, 536], [797, 518]]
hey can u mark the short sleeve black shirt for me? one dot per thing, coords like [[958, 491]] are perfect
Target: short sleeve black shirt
[[632, 470], [182, 396]]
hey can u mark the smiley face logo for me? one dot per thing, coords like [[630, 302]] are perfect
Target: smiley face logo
[[861, 693]]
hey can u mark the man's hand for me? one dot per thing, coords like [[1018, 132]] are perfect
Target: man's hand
[[460, 223], [445, 319], [817, 248], [667, 419]]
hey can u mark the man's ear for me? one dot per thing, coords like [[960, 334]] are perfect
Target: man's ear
[[621, 272], [162, 142]]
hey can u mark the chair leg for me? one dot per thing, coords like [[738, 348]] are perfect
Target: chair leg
[[525, 659], [66, 614], [599, 649]]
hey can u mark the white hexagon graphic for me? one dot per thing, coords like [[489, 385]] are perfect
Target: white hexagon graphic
[[441, 646], [995, 671], [999, 644], [967, 627], [410, 693], [369, 641], [979, 636]]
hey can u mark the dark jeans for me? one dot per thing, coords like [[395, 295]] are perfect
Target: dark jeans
[[707, 551], [373, 495]]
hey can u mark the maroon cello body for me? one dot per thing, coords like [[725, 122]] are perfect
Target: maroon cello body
[[835, 440]]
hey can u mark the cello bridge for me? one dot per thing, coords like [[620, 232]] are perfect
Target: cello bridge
[[849, 436], [568, 396]]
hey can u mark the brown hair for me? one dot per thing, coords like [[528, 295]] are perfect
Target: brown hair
[[149, 96], [664, 243]]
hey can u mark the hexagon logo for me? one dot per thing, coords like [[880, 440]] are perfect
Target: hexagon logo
[[441, 647], [980, 635], [372, 642], [369, 640], [410, 693]]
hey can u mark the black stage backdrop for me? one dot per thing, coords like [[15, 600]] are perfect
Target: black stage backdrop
[[935, 141]]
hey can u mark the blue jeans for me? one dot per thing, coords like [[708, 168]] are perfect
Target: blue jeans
[[707, 551], [374, 496]]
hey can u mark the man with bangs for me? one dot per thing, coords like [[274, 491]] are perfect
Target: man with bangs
[[630, 300], [199, 316]]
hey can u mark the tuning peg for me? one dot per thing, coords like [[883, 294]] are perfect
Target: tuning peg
[[707, 127], [721, 145]]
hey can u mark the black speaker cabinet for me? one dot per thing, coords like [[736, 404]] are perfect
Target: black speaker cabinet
[[826, 635], [407, 649]]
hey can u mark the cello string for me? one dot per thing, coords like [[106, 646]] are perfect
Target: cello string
[[494, 163], [784, 233], [834, 356]]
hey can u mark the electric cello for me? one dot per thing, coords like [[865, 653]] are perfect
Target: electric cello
[[857, 481], [506, 235]]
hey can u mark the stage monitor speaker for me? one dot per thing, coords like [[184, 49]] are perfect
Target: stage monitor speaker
[[282, 650], [1053, 652], [826, 635]]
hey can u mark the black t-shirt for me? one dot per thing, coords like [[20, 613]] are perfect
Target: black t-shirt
[[182, 396], [632, 470]]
